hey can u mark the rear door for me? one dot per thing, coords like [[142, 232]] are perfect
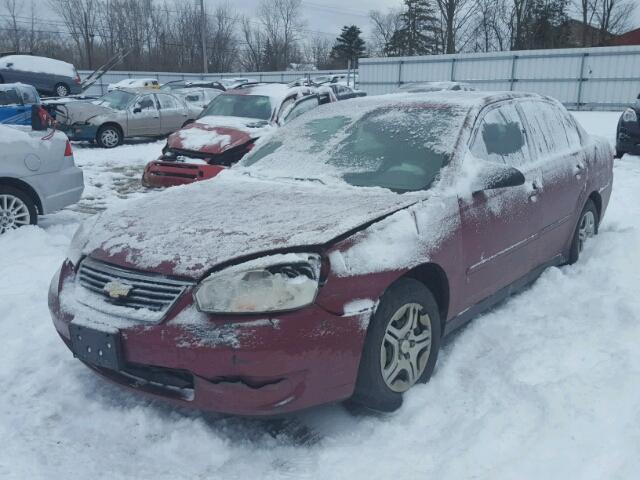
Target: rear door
[[143, 117], [500, 227], [559, 150], [172, 113]]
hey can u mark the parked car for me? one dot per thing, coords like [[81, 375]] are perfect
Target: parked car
[[182, 84], [342, 78], [628, 131], [16, 101], [135, 83], [426, 87], [342, 92], [37, 175], [225, 132], [125, 113], [197, 97], [329, 262], [48, 76], [230, 83]]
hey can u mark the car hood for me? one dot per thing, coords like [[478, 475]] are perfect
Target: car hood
[[186, 231], [74, 112], [215, 135]]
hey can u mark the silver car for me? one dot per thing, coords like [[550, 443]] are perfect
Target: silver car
[[125, 113], [37, 175]]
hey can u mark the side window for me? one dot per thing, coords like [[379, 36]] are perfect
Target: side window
[[573, 135], [548, 131], [500, 137], [29, 96], [301, 107], [285, 106], [146, 103], [167, 102]]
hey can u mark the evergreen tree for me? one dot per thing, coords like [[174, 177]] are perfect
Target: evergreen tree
[[417, 35], [349, 46]]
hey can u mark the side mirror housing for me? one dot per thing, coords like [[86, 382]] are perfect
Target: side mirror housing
[[497, 177], [137, 109]]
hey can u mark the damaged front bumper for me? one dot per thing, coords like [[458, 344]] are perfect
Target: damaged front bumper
[[161, 174], [78, 132], [257, 365]]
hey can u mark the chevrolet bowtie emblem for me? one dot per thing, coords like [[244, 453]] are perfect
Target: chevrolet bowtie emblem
[[117, 290]]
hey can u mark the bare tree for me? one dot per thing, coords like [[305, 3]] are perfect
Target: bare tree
[[318, 52], [224, 43], [283, 28], [13, 9], [613, 17], [81, 19], [384, 25], [455, 16]]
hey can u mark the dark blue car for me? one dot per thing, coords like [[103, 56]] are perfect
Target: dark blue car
[[16, 100]]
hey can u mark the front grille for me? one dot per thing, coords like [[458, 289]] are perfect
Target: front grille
[[148, 296], [226, 158]]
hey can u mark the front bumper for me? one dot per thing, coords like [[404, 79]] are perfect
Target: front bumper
[[80, 133], [258, 365], [160, 174], [628, 137]]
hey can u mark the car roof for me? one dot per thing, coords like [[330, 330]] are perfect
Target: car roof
[[275, 91]]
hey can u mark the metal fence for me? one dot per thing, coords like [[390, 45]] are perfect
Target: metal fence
[[100, 87], [581, 78]]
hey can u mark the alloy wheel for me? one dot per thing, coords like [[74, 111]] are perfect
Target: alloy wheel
[[110, 138], [587, 228], [405, 347], [14, 213], [62, 91]]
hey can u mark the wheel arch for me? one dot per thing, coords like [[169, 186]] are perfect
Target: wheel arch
[[433, 276], [597, 200], [111, 123], [25, 187]]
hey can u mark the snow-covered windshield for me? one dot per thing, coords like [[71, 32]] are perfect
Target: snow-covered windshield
[[118, 99], [246, 106], [401, 147]]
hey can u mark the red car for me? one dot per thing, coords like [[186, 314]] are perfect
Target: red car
[[227, 130], [330, 262]]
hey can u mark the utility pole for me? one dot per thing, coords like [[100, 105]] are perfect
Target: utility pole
[[205, 66]]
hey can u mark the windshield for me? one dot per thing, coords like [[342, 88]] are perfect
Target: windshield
[[247, 106], [9, 97], [399, 147], [118, 100]]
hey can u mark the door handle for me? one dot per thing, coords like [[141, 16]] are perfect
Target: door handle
[[578, 169], [533, 194]]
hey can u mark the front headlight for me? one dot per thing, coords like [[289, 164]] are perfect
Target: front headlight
[[629, 115], [276, 283]]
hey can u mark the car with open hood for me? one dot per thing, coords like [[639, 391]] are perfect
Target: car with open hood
[[227, 130], [329, 263], [125, 113]]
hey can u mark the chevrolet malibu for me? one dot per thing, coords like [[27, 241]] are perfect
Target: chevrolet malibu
[[331, 261]]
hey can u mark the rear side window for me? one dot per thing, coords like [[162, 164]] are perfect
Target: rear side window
[[9, 97], [500, 137], [551, 132], [167, 102]]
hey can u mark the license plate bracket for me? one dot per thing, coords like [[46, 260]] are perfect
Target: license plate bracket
[[96, 347]]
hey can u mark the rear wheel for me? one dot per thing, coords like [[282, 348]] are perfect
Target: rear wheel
[[401, 348], [62, 90], [109, 136], [587, 227], [17, 209]]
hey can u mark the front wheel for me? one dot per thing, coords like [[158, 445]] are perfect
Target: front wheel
[[17, 209], [62, 90], [587, 227], [109, 136], [401, 347]]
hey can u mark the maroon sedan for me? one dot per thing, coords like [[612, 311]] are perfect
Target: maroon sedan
[[330, 262]]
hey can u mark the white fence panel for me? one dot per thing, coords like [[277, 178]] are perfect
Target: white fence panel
[[584, 78]]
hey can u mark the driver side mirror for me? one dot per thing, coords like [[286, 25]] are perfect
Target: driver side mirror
[[499, 177], [137, 108]]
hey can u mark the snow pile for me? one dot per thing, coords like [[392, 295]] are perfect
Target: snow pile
[[32, 63], [196, 138]]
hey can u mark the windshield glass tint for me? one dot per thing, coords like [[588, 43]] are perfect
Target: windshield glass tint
[[400, 147], [118, 100], [247, 106]]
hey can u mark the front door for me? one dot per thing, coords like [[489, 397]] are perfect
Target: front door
[[500, 227], [143, 117]]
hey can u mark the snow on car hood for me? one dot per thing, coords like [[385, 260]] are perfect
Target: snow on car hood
[[74, 112], [188, 230], [215, 134]]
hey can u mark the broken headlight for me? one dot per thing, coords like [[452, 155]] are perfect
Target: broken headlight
[[276, 283]]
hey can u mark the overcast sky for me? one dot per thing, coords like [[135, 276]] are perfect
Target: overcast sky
[[322, 18]]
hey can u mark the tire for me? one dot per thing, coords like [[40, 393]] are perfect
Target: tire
[[62, 90], [109, 136], [384, 355], [586, 228], [17, 209]]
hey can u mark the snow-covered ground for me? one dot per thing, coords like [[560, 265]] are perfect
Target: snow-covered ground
[[545, 386]]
